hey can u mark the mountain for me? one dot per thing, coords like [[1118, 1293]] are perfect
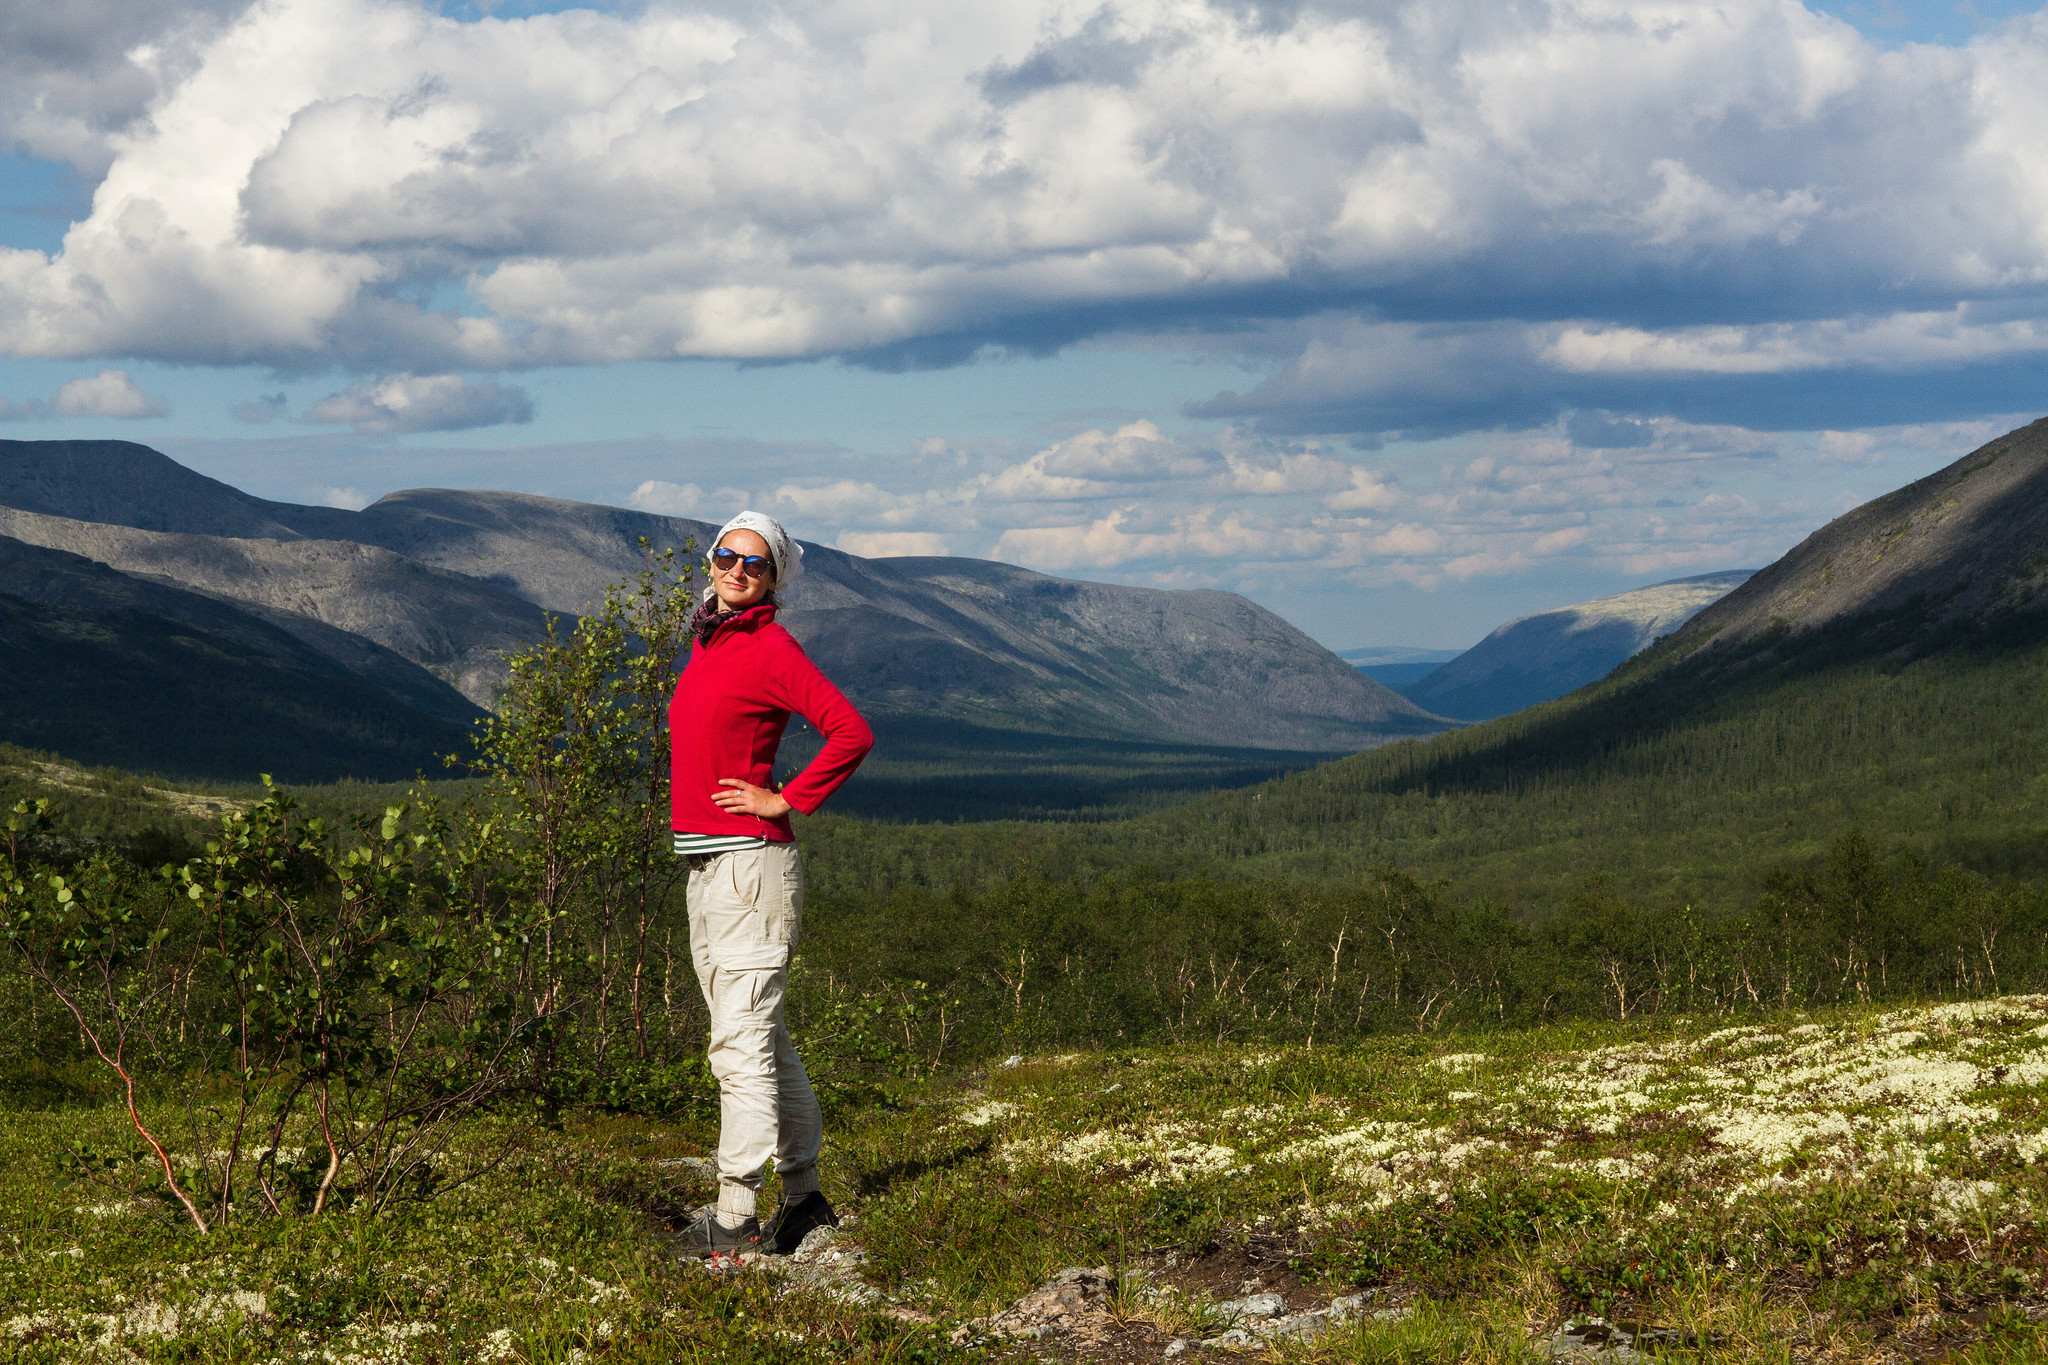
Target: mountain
[[970, 640], [1883, 678], [1953, 556], [106, 668], [447, 581], [1538, 657], [125, 484], [1396, 666], [336, 595]]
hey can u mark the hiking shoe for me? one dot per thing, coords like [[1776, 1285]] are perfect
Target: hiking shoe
[[794, 1221], [707, 1237]]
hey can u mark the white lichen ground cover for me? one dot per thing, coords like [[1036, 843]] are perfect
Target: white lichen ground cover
[[1736, 1113], [1837, 1187], [1869, 1166]]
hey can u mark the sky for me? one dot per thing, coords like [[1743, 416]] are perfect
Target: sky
[[1402, 317]]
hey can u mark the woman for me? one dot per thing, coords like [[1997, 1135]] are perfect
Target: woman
[[745, 678]]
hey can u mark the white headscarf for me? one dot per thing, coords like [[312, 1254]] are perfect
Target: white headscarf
[[787, 554]]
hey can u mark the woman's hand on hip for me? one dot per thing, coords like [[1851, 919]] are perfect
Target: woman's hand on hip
[[744, 798]]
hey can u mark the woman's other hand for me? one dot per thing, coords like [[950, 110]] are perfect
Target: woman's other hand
[[744, 798]]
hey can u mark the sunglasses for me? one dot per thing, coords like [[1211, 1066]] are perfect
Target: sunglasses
[[753, 566]]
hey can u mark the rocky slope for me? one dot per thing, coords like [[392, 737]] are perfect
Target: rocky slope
[[1551, 653], [1959, 553], [335, 595], [449, 579], [107, 668]]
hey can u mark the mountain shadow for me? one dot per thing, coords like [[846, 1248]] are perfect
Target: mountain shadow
[[109, 669]]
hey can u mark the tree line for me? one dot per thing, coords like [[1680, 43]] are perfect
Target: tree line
[[308, 1012], [1138, 959]]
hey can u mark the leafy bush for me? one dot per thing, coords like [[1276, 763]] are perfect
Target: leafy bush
[[358, 994]]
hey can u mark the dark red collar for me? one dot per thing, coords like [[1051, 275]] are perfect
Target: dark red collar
[[753, 618]]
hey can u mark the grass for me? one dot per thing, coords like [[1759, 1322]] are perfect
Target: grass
[[556, 1257], [1832, 1187]]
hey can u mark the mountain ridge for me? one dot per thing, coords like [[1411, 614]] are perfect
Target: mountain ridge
[[107, 668], [975, 641], [1534, 658], [1910, 714], [1963, 546]]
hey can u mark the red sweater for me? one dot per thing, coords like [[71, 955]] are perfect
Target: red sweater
[[731, 706]]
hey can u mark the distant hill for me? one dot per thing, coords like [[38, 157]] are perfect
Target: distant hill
[[1549, 654], [448, 581], [1885, 676], [109, 669], [336, 595], [1951, 558], [1396, 666]]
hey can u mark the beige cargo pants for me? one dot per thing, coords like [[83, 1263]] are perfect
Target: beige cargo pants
[[746, 910]]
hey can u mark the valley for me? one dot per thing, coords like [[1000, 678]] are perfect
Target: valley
[[1470, 1045], [423, 594]]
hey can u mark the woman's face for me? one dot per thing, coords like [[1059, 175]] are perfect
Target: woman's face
[[736, 591]]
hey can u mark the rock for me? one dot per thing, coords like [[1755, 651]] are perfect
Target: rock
[[1074, 1292], [823, 1265], [1175, 1347], [1262, 1319], [1254, 1306], [1610, 1343], [1299, 1326], [1350, 1306], [817, 1242], [851, 1292], [1013, 1061]]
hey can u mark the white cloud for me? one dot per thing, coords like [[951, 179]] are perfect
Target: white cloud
[[260, 411], [787, 181], [667, 499], [1247, 512], [110, 393], [1848, 447], [1282, 474], [1367, 492], [889, 544], [1097, 463], [1406, 541], [688, 500], [842, 500], [1567, 538], [1897, 341], [1129, 533], [436, 402], [1692, 210], [73, 75], [348, 499]]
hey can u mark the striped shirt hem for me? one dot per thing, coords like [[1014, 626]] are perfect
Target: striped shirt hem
[[697, 845]]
